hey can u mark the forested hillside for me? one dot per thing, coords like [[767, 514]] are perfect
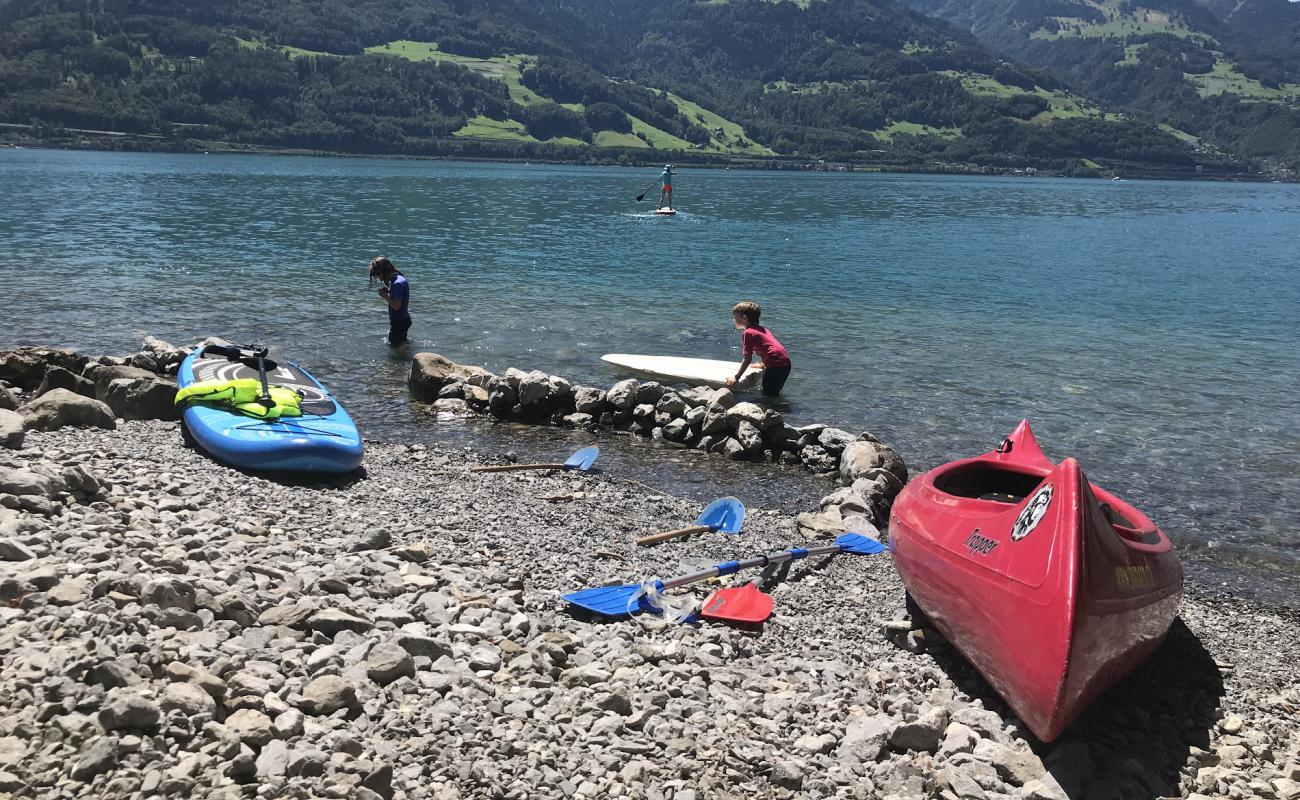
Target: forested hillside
[[1227, 71], [865, 81]]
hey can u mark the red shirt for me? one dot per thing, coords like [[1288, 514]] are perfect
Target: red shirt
[[757, 339]]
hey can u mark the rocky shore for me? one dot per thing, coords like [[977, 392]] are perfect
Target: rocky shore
[[171, 627]]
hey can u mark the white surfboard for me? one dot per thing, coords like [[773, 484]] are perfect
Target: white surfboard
[[691, 371], [665, 212]]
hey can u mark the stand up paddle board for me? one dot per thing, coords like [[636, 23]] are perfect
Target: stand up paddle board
[[664, 212], [323, 439], [692, 371]]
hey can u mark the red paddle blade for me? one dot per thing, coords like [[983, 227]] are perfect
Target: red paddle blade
[[743, 604]]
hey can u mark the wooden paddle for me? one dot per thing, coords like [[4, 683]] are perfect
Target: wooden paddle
[[580, 460], [725, 514]]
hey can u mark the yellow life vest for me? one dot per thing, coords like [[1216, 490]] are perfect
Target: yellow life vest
[[241, 395]]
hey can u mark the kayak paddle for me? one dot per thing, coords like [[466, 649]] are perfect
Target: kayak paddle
[[748, 603], [580, 460], [726, 514], [641, 196], [629, 599]]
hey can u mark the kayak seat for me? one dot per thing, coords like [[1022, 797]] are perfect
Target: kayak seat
[[983, 482]]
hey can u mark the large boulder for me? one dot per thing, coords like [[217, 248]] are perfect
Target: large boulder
[[12, 431], [622, 395], [588, 400], [104, 374], [861, 457], [430, 372], [25, 367], [60, 378], [61, 408], [142, 398]]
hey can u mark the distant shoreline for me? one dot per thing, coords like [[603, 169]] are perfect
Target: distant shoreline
[[114, 141]]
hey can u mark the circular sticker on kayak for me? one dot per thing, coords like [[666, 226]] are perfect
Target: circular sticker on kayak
[[1032, 513]]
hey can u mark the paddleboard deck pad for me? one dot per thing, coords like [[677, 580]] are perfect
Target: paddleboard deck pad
[[323, 439], [691, 371]]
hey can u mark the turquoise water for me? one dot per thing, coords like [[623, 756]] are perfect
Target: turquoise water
[[1149, 329]]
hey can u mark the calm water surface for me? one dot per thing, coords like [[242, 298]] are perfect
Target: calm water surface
[[1149, 329]]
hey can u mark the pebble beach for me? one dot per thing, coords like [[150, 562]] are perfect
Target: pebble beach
[[170, 627]]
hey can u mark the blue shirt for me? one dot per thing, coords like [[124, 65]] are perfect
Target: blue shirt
[[399, 290]]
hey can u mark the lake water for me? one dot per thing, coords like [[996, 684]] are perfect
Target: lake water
[[1150, 329]]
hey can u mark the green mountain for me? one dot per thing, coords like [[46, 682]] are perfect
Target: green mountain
[[865, 81], [1224, 71]]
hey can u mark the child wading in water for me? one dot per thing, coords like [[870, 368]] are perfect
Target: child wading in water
[[757, 339], [397, 294]]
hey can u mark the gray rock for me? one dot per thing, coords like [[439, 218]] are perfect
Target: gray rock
[[288, 724], [588, 400], [923, 734], [60, 378], [13, 751], [142, 398], [273, 761], [29, 482], [129, 711], [648, 393], [61, 408], [535, 389], [13, 550], [622, 395], [722, 398], [387, 662], [865, 737], [752, 413], [860, 457], [430, 372], [817, 459], [169, 593], [671, 404], [380, 781], [290, 615], [827, 523], [24, 367], [331, 620], [834, 440], [8, 400], [749, 436], [251, 726], [188, 698], [104, 374], [97, 756], [328, 694], [307, 763]]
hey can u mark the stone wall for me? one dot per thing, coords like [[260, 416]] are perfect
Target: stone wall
[[713, 420]]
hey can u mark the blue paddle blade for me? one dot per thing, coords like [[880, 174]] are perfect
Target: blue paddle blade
[[726, 514], [582, 459], [610, 601], [859, 544]]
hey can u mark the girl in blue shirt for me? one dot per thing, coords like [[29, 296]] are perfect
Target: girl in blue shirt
[[397, 294]]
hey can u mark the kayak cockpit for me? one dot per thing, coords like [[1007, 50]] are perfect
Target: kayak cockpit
[[980, 480]]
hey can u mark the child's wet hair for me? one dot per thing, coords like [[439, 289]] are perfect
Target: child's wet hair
[[380, 265], [750, 311]]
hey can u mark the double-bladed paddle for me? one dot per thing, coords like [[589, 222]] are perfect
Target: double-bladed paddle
[[580, 460], [750, 604], [629, 599], [726, 514]]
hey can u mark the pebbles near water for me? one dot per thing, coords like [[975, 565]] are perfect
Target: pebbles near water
[[173, 628]]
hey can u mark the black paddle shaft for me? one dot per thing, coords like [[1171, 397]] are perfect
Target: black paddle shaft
[[250, 356]]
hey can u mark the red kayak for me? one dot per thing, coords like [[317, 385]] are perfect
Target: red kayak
[[1052, 587]]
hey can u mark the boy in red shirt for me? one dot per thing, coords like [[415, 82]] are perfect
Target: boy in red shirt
[[757, 339]]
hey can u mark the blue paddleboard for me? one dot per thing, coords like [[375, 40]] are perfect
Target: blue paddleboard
[[323, 439]]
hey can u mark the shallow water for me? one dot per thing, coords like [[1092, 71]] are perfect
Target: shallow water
[[1147, 328]]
